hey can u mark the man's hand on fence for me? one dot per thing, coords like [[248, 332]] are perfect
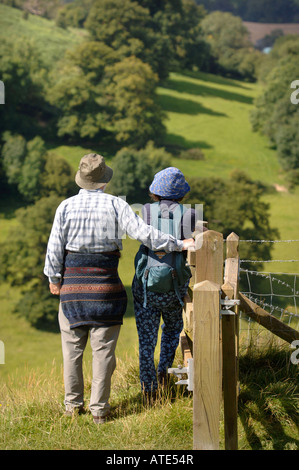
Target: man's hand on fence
[[55, 288], [188, 243]]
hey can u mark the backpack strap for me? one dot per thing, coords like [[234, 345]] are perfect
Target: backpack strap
[[144, 282]]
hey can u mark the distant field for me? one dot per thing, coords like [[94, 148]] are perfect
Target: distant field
[[212, 113], [260, 30], [50, 40]]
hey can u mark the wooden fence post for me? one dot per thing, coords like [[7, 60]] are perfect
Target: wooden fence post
[[206, 366], [230, 345], [206, 340], [209, 257]]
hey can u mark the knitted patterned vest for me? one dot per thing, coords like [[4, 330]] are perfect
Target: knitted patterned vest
[[92, 293]]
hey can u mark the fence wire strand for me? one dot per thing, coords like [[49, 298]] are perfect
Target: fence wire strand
[[275, 292]]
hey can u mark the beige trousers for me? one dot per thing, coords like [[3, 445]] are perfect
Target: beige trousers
[[103, 343]]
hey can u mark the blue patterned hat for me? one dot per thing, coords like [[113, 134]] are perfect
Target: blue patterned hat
[[169, 183]]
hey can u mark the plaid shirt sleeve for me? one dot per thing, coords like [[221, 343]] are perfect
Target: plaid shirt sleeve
[[55, 250]]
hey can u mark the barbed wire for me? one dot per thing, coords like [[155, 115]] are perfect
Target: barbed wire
[[269, 261], [268, 241], [269, 300], [272, 278], [272, 307]]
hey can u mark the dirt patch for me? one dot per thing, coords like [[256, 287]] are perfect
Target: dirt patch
[[281, 189]]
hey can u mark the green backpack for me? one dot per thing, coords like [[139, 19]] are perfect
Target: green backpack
[[161, 271]]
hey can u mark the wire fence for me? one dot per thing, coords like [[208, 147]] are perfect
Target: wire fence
[[275, 292]]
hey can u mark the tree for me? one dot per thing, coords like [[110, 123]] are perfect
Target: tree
[[75, 96], [22, 258], [180, 22], [58, 178], [73, 14], [288, 144], [134, 171], [275, 115], [128, 29], [25, 78], [133, 115], [162, 33], [33, 171], [230, 45], [236, 205], [12, 156], [263, 11], [23, 163]]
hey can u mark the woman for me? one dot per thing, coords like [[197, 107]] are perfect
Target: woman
[[167, 189]]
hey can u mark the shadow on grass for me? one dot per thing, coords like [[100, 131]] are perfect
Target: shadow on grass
[[213, 78], [183, 86], [268, 399], [184, 106], [175, 143], [137, 403]]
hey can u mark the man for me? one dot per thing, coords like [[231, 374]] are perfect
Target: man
[[81, 264]]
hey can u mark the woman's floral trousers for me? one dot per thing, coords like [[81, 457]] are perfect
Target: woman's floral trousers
[[167, 306]]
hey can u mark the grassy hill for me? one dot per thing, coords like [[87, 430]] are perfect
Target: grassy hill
[[50, 40], [202, 111], [213, 113]]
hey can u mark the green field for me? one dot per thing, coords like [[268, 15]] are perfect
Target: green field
[[49, 40], [213, 113], [202, 111]]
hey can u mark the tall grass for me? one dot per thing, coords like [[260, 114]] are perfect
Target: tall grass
[[32, 415], [269, 398]]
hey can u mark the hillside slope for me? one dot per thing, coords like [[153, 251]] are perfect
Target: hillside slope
[[49, 40]]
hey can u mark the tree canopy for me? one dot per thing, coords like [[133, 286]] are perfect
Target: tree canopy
[[275, 115], [262, 11], [231, 49]]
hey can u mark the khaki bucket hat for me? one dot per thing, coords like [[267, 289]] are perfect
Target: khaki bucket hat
[[93, 172]]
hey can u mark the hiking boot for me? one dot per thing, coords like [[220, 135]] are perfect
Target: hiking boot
[[100, 419]]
